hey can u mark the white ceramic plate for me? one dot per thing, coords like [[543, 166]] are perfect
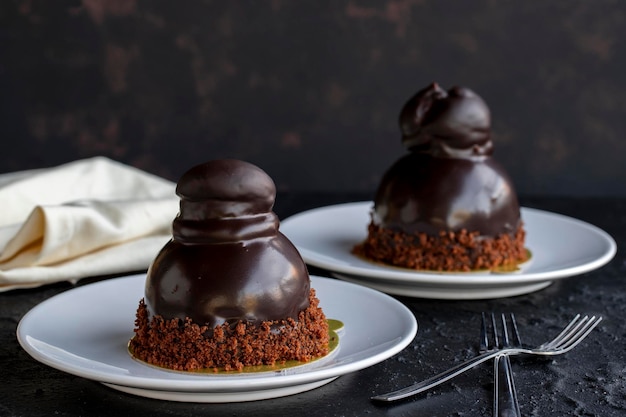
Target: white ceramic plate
[[561, 247], [85, 332]]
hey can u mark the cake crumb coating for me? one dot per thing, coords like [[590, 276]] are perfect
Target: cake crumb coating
[[449, 251], [186, 346]]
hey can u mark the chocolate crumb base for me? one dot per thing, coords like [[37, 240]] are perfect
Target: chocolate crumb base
[[461, 251], [186, 346]]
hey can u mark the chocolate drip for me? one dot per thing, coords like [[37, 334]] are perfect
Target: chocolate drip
[[449, 180], [227, 260]]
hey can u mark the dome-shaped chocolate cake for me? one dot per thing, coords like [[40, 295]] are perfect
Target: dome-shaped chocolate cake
[[447, 205], [229, 290]]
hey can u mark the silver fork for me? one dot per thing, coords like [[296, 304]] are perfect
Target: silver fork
[[505, 402], [572, 334]]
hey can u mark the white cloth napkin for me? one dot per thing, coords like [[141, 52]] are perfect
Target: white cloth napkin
[[86, 218]]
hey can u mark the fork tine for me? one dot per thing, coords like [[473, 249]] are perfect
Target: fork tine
[[484, 341], [494, 331], [505, 331], [518, 339]]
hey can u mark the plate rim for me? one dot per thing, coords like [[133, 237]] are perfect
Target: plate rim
[[446, 279], [207, 383], [440, 293]]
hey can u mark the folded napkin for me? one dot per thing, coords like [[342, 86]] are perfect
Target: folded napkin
[[86, 218]]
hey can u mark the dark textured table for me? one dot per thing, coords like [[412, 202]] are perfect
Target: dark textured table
[[588, 381]]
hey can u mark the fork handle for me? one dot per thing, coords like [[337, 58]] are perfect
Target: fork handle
[[505, 396], [439, 378]]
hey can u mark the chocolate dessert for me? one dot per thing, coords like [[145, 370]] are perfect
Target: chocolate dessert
[[447, 205], [229, 290]]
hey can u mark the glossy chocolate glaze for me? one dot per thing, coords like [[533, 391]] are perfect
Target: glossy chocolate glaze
[[227, 260], [449, 180]]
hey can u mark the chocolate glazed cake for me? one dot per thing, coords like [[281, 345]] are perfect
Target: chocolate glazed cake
[[447, 205], [229, 290]]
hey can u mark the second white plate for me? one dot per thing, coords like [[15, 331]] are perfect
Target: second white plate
[[561, 247]]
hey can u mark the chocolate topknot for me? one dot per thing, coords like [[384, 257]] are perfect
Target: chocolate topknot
[[452, 124], [242, 187], [225, 200]]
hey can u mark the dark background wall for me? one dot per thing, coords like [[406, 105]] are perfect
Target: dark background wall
[[311, 90]]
